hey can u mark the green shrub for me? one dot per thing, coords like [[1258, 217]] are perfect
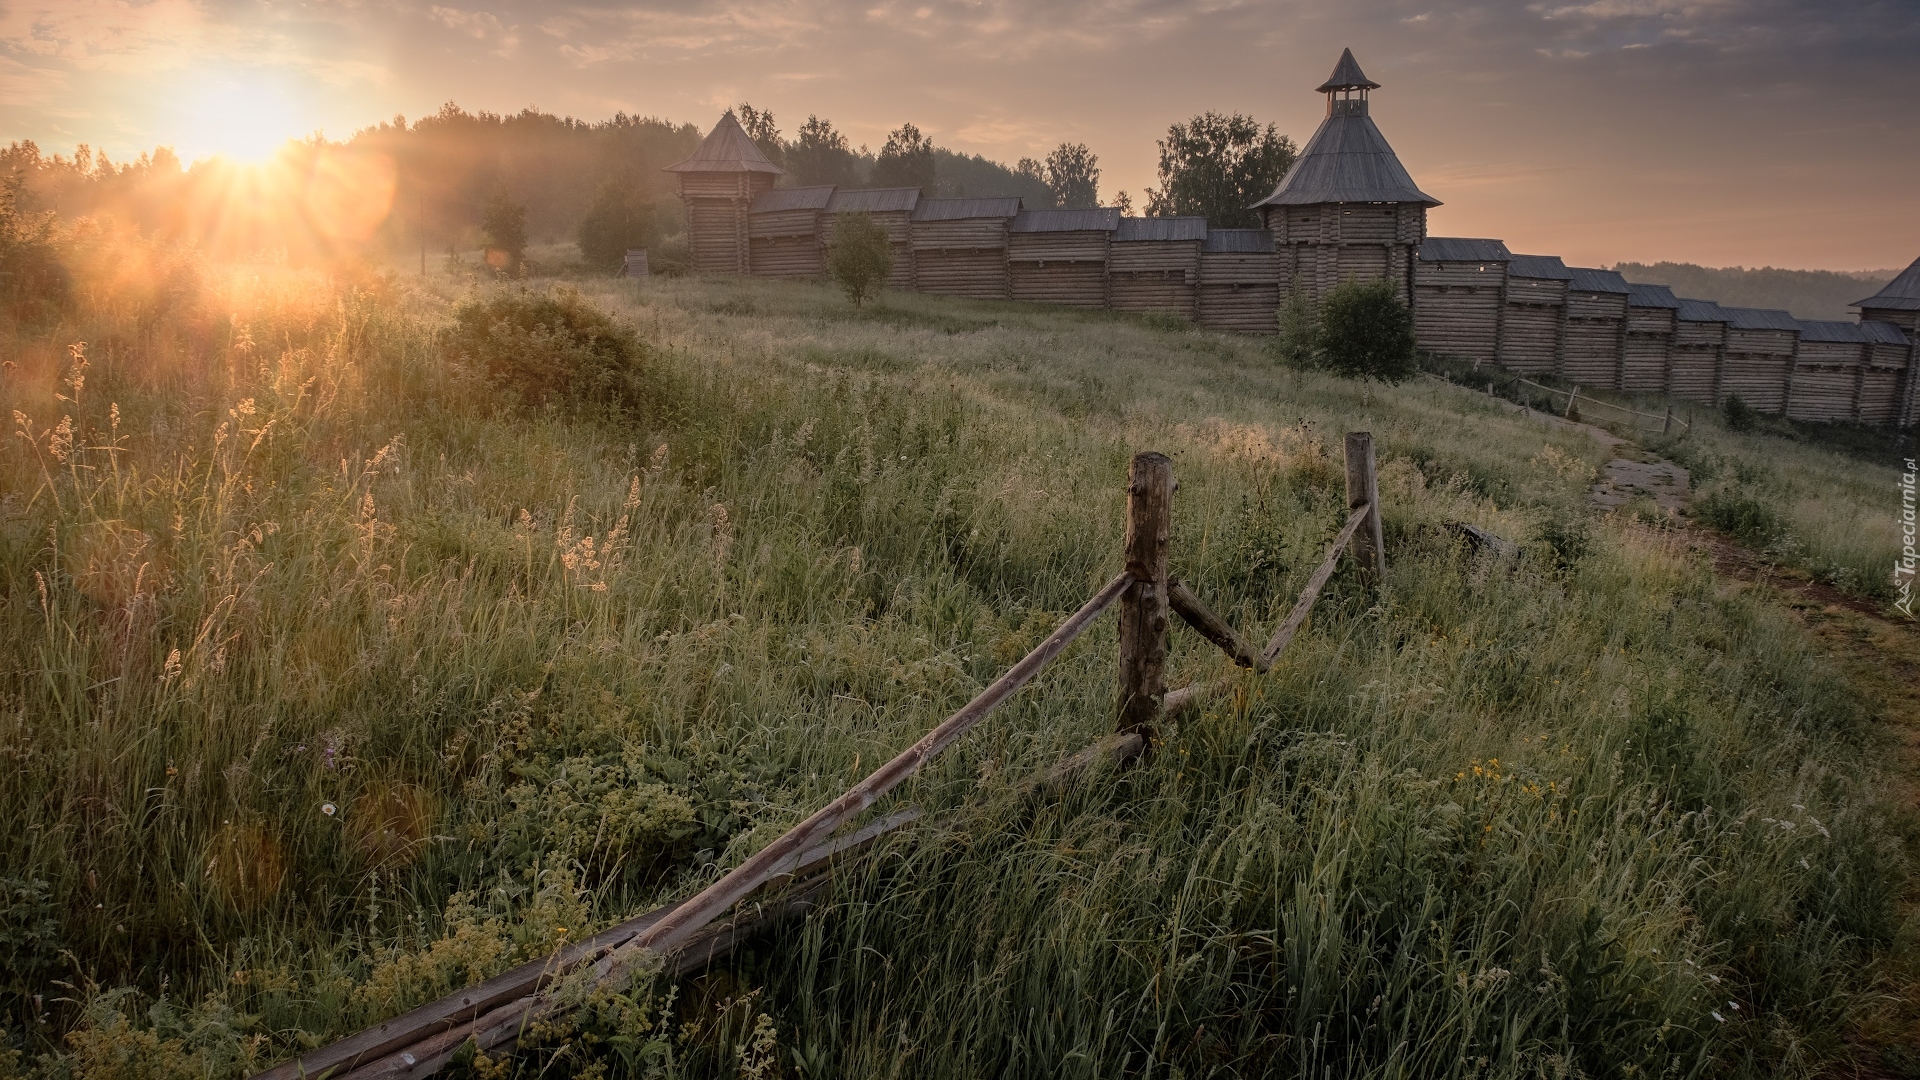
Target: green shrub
[[621, 218], [860, 256], [1299, 340], [1740, 415], [1366, 331], [550, 347], [1750, 520]]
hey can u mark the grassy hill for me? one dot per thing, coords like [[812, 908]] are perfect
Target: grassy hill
[[1808, 294], [364, 638]]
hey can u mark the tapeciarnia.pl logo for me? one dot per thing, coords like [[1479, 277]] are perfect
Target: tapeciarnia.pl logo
[[1903, 568]]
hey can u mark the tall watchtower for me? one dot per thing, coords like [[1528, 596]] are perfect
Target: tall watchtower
[[1347, 209], [718, 185]]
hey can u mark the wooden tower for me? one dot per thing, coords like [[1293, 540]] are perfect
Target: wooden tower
[[718, 185], [1347, 209]]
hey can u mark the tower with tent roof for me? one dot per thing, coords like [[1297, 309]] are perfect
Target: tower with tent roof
[[718, 185], [1347, 209]]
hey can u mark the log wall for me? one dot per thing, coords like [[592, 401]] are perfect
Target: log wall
[[1757, 365], [962, 257], [1649, 342], [1694, 369], [1533, 325], [1240, 290], [1595, 337], [1159, 276], [1458, 307], [1826, 377], [1059, 267]]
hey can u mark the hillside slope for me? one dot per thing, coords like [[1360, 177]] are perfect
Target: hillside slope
[[339, 677]]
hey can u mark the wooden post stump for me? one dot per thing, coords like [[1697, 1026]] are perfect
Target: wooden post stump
[[1363, 489], [1144, 606]]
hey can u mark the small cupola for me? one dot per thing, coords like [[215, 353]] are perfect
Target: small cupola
[[1347, 87]]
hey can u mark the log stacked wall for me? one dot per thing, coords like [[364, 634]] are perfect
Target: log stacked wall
[[1826, 372], [1596, 324], [1535, 319], [1906, 407], [1699, 344], [783, 230], [717, 233], [1059, 266], [1239, 281], [1459, 297], [1651, 323], [1325, 244], [1759, 358], [892, 210], [962, 256], [1160, 275], [1885, 362]]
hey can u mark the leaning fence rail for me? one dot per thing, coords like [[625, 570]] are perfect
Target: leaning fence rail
[[691, 934]]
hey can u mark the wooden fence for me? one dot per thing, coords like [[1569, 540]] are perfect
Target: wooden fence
[[788, 874]]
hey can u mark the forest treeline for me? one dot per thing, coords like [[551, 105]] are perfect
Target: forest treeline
[[601, 183], [1808, 294]]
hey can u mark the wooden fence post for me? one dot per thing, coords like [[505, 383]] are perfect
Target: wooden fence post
[[1363, 487], [1144, 606]]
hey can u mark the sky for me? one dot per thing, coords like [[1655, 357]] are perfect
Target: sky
[[1723, 132]]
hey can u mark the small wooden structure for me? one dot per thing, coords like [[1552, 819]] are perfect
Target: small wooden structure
[[783, 231], [1060, 256], [1596, 328], [1460, 296], [717, 185], [1534, 323], [1885, 371], [1347, 210], [1154, 265], [1652, 316], [635, 263], [1826, 373], [1240, 281], [960, 246], [1898, 305], [892, 210], [1699, 348], [1761, 345]]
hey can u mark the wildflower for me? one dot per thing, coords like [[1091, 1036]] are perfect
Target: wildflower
[[1717, 1016], [171, 771], [327, 808]]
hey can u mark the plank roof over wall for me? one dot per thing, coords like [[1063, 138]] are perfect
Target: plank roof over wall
[[1135, 229], [1651, 296], [1462, 249], [1883, 333], [1100, 219], [1586, 279], [1743, 318], [1222, 241], [1702, 311], [962, 209], [1831, 330], [873, 200], [1539, 267]]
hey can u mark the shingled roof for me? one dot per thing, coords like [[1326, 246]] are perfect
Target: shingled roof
[[1747, 318], [1347, 161], [727, 149], [1100, 219], [1885, 333], [958, 209], [1463, 249], [1543, 267], [1587, 279], [1161, 228], [1702, 311], [1901, 294], [796, 198], [1220, 241], [1347, 75], [1650, 296], [873, 200], [1831, 330]]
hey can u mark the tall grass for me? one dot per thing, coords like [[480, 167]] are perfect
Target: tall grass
[[340, 674]]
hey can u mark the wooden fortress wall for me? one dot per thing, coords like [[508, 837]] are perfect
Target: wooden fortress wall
[[1472, 299]]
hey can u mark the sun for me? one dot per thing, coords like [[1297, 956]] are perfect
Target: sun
[[239, 116]]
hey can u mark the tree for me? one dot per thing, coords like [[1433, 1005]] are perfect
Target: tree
[[905, 161], [33, 283], [1073, 172], [860, 256], [1217, 167], [504, 224], [1033, 176], [621, 218], [1366, 332], [820, 155], [1299, 340], [1124, 202], [760, 127]]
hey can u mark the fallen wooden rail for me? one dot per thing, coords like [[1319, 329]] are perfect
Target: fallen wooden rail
[[687, 936]]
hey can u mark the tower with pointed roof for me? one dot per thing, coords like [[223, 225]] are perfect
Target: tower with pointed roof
[[1347, 209], [718, 185]]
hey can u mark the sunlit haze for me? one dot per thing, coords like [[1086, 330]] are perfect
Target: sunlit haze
[[1777, 132]]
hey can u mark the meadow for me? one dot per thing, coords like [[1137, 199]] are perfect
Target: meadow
[[367, 635]]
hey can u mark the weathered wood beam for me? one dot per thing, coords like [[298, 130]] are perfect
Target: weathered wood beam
[[1318, 581], [1363, 489], [1144, 605], [1204, 622]]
